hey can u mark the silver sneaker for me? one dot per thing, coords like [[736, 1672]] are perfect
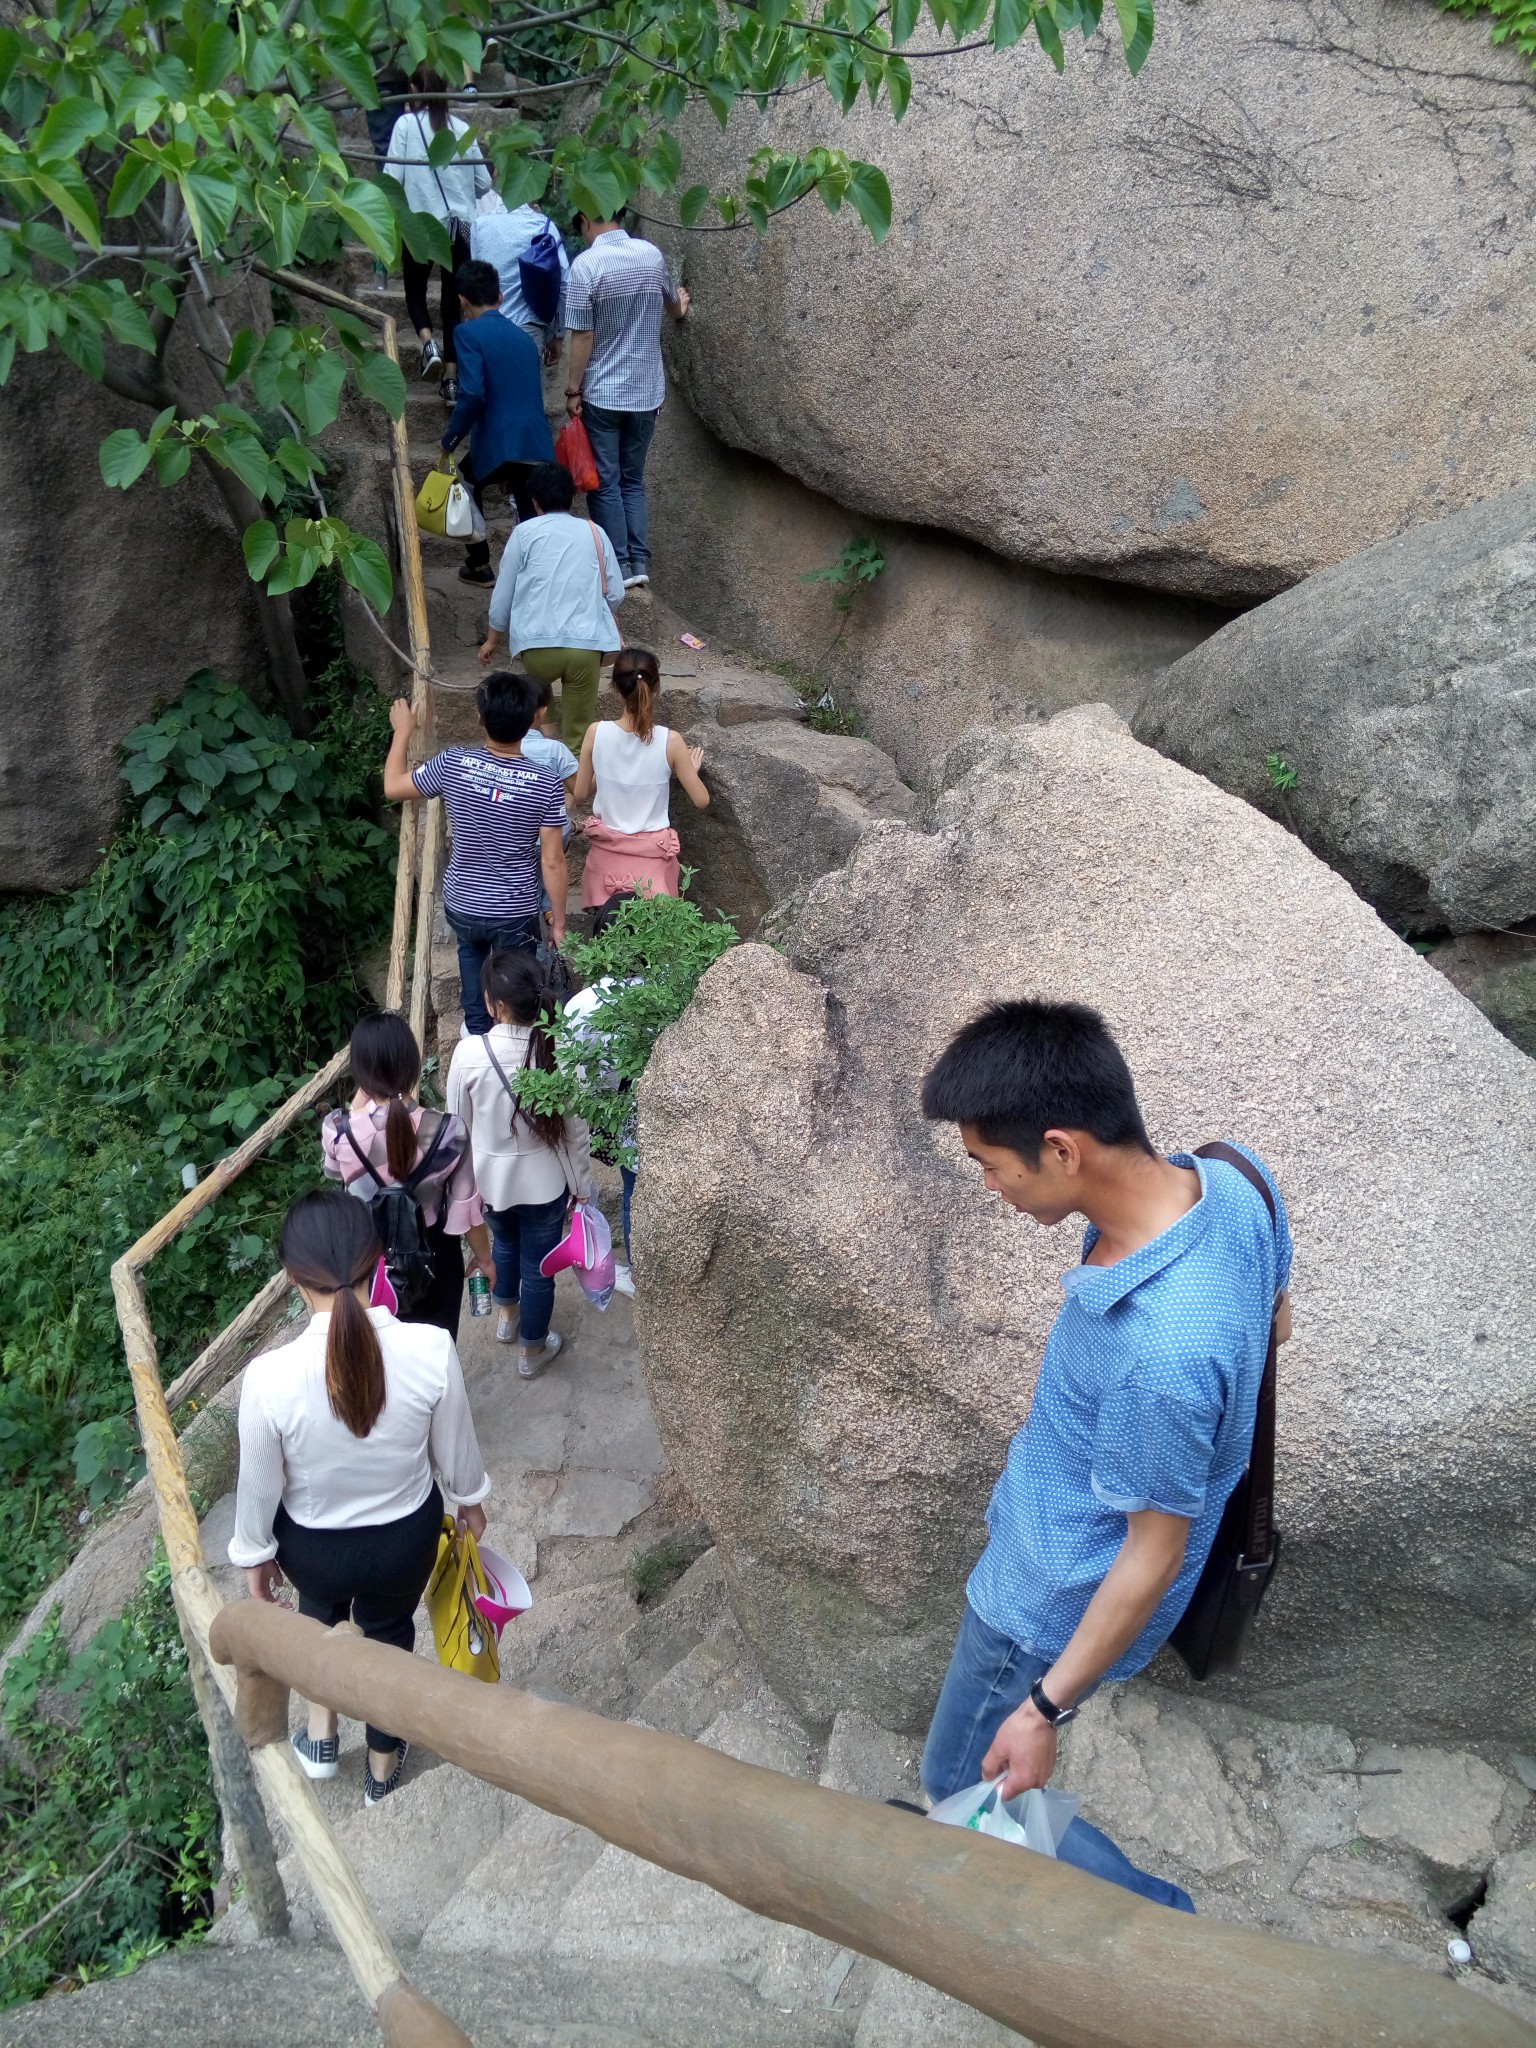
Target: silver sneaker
[[506, 1326], [531, 1363]]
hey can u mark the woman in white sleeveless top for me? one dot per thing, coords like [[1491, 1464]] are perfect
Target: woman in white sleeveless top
[[626, 772]]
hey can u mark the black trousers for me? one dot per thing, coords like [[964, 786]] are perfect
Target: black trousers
[[512, 477], [444, 1299], [417, 276], [374, 1576]]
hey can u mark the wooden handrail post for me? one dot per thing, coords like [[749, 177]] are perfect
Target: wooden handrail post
[[1066, 1959]]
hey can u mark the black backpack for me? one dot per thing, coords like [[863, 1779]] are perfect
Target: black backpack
[[397, 1217]]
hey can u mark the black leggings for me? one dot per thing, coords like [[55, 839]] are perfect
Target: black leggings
[[376, 1575], [418, 276], [513, 479], [444, 1299]]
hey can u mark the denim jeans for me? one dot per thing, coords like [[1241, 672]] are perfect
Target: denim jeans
[[478, 939], [520, 1238], [627, 1175], [989, 1676], [620, 442]]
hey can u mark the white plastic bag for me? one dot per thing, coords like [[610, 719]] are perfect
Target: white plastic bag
[[1034, 1820]]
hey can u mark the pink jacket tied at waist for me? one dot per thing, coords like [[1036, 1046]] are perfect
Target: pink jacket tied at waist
[[646, 861]]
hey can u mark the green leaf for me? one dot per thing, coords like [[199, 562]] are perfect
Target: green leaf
[[1136, 28], [218, 50], [353, 66], [211, 198], [871, 198], [318, 398], [172, 461], [7, 355], [1009, 23], [1050, 38], [124, 457], [383, 381], [260, 544], [692, 204], [367, 212], [898, 85], [245, 455], [129, 324], [364, 565], [904, 19], [299, 462], [82, 345], [137, 176], [244, 349], [161, 426], [663, 164], [67, 190], [70, 125], [288, 220]]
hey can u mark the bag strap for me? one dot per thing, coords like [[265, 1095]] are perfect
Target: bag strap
[[347, 1132], [418, 1172], [426, 150], [1258, 1528]]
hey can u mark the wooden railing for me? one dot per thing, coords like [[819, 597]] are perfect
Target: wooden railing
[[373, 1961], [1068, 1960]]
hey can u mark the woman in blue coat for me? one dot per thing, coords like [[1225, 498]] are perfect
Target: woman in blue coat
[[500, 404]]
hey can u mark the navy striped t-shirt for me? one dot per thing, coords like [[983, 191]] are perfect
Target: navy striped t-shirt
[[497, 805]]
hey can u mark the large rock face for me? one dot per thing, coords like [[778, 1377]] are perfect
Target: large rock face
[[842, 1329], [1208, 329], [1400, 687], [948, 636], [112, 600]]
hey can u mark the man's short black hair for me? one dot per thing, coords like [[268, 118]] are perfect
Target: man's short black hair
[[550, 487], [507, 704], [478, 283], [1022, 1069]]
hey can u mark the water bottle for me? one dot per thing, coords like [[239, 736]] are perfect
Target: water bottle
[[479, 1295]]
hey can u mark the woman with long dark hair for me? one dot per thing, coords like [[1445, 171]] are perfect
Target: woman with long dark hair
[[627, 766], [451, 193], [341, 1432], [528, 1163], [385, 1139]]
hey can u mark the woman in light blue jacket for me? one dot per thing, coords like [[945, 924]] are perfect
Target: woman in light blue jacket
[[450, 194]]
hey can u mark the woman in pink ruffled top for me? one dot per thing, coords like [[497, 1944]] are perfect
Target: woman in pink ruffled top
[[626, 772], [384, 1138]]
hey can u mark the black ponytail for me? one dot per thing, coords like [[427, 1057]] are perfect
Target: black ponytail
[[330, 1246], [516, 982]]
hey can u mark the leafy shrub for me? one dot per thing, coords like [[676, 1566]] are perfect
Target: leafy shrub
[[110, 1822], [151, 1018], [653, 955]]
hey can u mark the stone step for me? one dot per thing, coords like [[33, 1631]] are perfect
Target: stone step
[[300, 1995]]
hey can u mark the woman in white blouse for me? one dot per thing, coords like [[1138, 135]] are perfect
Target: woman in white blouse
[[340, 1434], [451, 194], [532, 1162]]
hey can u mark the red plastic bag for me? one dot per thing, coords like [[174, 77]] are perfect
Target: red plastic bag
[[573, 451]]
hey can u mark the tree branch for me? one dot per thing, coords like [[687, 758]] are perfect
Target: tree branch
[[53, 1912]]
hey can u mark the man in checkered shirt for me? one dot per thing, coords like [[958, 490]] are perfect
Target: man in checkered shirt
[[618, 287]]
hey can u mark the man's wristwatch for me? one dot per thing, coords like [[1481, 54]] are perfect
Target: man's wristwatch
[[1046, 1708]]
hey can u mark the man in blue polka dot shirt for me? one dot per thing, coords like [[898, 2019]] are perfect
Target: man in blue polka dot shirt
[[1143, 1413]]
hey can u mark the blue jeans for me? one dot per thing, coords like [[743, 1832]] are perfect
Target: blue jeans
[[989, 1676], [620, 443], [627, 1175], [478, 939], [520, 1238]]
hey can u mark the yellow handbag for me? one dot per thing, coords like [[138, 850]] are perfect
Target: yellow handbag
[[443, 506], [465, 1640]]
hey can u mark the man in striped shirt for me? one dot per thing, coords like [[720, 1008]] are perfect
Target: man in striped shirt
[[618, 287], [507, 815]]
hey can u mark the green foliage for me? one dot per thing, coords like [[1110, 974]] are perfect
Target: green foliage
[[1514, 21], [651, 959], [185, 142], [150, 1019], [110, 1826], [859, 563], [823, 712], [1282, 776]]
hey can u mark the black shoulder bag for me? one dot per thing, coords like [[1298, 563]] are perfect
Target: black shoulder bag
[[1214, 1626], [398, 1219]]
